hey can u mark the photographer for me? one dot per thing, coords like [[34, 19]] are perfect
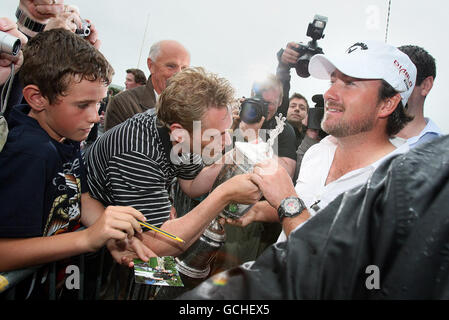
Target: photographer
[[297, 115], [287, 58], [267, 94], [306, 136], [33, 15], [248, 243]]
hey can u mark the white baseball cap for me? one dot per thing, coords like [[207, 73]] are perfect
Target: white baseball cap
[[370, 60]]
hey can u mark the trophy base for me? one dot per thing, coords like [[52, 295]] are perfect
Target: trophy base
[[191, 272]]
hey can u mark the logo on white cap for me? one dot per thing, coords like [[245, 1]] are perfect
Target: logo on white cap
[[402, 70], [358, 45]]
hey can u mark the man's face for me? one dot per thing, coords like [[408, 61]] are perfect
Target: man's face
[[297, 111], [130, 82], [350, 105], [272, 96], [74, 114], [214, 133], [172, 59]]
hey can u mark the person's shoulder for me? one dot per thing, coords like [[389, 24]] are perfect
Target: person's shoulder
[[433, 127], [135, 96], [134, 92], [29, 140], [287, 133], [325, 144], [121, 96]]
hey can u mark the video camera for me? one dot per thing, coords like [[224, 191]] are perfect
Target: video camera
[[84, 31], [9, 44], [315, 31], [315, 115]]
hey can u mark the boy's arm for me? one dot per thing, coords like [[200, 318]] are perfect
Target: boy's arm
[[115, 223], [122, 251], [91, 209], [21, 253]]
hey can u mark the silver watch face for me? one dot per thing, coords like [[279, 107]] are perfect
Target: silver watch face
[[291, 206]]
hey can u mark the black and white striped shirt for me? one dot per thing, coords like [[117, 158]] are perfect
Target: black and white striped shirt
[[129, 165]]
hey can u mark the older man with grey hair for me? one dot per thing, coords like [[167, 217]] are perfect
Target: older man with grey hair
[[166, 58]]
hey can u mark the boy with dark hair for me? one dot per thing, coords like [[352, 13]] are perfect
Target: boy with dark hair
[[43, 193]]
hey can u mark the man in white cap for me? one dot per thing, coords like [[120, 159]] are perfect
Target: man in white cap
[[364, 107]]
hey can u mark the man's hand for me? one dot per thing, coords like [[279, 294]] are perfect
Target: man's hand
[[42, 10], [313, 134], [261, 211], [8, 26], [93, 36], [70, 19], [66, 20], [290, 56], [274, 181], [241, 189]]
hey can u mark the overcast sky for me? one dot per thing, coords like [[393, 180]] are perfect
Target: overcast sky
[[238, 39]]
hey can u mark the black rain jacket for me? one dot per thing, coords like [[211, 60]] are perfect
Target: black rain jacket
[[395, 228]]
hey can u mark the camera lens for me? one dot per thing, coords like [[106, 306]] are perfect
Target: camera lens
[[9, 44], [250, 112], [86, 31]]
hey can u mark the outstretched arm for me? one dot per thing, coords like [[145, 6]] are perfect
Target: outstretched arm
[[190, 226], [118, 223]]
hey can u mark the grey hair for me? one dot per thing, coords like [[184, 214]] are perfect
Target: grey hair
[[155, 50]]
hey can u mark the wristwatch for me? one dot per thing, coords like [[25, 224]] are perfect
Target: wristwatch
[[27, 22], [290, 207]]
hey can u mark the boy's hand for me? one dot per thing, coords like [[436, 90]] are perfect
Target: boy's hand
[[117, 223]]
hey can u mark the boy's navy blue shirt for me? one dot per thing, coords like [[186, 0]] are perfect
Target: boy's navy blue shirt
[[41, 180]]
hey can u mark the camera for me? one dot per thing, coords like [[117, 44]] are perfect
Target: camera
[[253, 109], [9, 44], [84, 31], [315, 31], [315, 115]]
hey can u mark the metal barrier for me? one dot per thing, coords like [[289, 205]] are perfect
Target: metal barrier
[[9, 281], [111, 281]]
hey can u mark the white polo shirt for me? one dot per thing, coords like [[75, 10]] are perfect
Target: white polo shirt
[[311, 184]]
